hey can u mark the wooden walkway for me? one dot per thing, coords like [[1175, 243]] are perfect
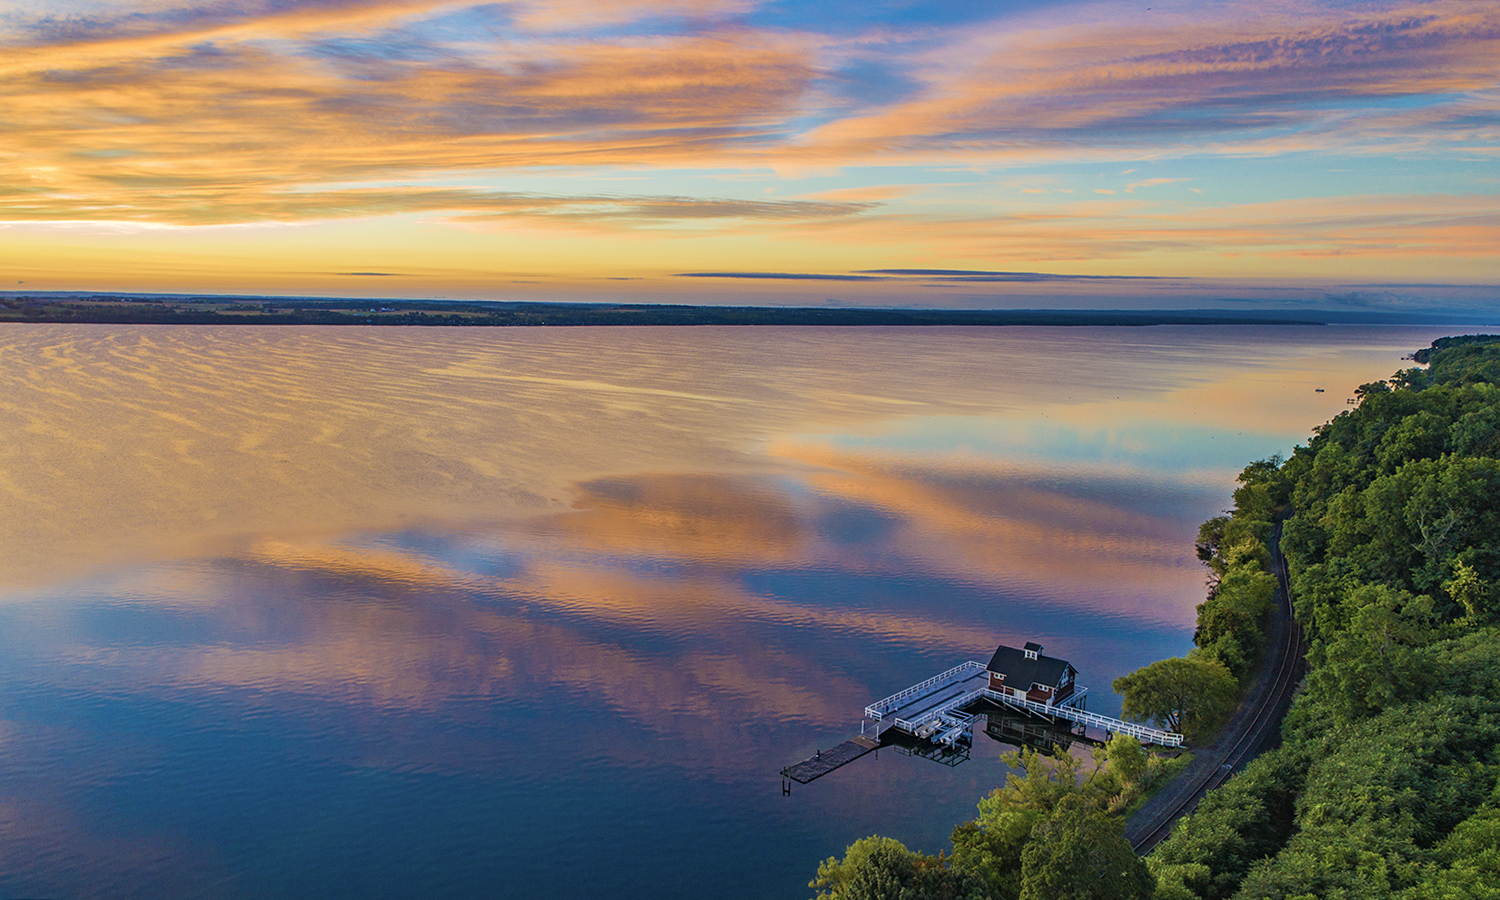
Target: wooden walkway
[[827, 760]]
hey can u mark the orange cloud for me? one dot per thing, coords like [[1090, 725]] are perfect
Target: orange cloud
[[549, 15], [236, 112], [211, 127]]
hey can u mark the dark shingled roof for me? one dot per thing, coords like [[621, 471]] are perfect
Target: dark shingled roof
[[1021, 672]]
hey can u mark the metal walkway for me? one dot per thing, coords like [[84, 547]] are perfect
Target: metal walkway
[[1064, 710], [935, 709]]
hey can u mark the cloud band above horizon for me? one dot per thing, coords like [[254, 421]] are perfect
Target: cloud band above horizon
[[644, 139]]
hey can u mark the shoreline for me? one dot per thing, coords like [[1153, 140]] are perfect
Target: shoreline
[[127, 310], [1254, 728]]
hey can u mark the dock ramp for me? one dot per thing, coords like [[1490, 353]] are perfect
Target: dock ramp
[[1143, 733]]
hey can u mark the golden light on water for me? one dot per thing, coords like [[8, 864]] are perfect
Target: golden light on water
[[146, 443]]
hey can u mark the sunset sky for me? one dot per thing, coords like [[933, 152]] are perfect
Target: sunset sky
[[999, 153]]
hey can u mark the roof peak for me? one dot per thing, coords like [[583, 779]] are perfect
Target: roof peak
[[1027, 665]]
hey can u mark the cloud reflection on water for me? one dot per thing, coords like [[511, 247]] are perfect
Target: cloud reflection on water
[[327, 576], [644, 596]]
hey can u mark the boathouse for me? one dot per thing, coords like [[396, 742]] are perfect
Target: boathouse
[[1026, 674]]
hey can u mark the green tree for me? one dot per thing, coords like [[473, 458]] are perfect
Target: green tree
[[1420, 436], [1078, 853], [991, 844], [835, 874], [1262, 490], [1248, 819], [1466, 864], [1374, 662], [1127, 758], [1189, 694], [1469, 591], [1231, 622], [1477, 433], [1226, 542], [877, 868], [1467, 364], [1379, 792], [1370, 389]]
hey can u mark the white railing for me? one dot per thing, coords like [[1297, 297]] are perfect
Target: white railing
[[1108, 723], [939, 711], [1063, 709], [880, 708], [1074, 698]]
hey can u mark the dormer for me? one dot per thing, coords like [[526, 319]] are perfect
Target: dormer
[[1032, 650]]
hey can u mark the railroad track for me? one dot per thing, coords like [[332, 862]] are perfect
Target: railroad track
[[1253, 727]]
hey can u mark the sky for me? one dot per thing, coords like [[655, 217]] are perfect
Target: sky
[[1004, 153]]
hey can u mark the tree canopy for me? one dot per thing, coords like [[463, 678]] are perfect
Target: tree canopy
[[1184, 693], [1077, 853], [1387, 780]]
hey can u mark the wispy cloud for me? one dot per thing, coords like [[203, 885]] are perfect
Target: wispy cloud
[[959, 276], [1369, 227], [167, 112], [781, 276], [970, 275], [1181, 76], [164, 198], [152, 110], [1150, 182]]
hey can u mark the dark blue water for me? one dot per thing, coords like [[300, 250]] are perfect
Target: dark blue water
[[336, 613]]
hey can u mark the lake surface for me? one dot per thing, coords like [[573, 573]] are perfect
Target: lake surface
[[384, 612]]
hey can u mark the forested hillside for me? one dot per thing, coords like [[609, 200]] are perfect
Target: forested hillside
[[1385, 783], [1387, 780]]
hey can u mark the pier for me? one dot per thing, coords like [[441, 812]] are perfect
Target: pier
[[928, 705], [941, 707], [826, 761], [935, 718], [936, 707]]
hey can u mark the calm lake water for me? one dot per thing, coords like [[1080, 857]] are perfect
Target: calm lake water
[[307, 612]]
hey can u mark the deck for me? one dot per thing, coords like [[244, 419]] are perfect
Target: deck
[[827, 760], [937, 708], [926, 701], [939, 714]]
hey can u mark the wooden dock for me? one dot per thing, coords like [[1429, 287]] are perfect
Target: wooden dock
[[826, 761], [935, 718]]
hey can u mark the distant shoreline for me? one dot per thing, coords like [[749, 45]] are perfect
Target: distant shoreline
[[125, 309]]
